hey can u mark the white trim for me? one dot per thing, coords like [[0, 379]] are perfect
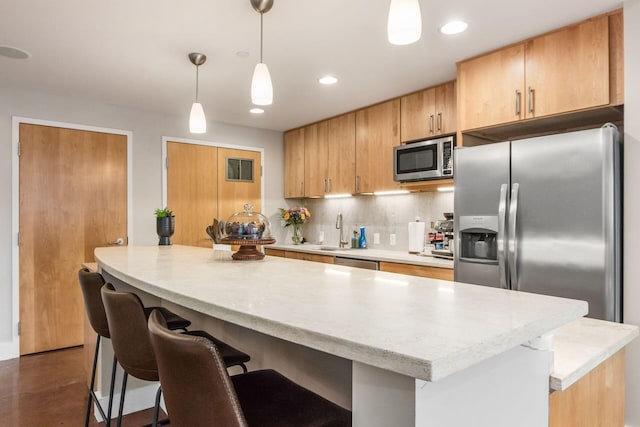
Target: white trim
[[163, 160], [12, 350]]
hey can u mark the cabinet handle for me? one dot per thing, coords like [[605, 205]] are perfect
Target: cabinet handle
[[439, 121], [531, 91], [357, 183], [329, 180], [301, 188], [517, 102], [430, 123], [325, 185]]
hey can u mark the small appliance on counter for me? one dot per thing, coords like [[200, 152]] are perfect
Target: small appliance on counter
[[442, 238]]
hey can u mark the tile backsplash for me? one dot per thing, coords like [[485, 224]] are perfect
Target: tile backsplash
[[385, 215]]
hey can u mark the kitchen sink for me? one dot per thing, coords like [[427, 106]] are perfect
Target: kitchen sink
[[332, 248]]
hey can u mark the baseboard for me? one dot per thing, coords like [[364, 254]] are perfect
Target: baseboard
[[135, 400], [9, 350]]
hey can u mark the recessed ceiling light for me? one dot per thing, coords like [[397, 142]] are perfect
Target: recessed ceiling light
[[453, 27], [256, 111], [328, 80], [14, 52], [242, 54]]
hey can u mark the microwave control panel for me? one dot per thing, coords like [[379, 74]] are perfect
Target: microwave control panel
[[447, 158]]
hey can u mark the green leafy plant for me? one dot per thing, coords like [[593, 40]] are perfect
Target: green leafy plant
[[163, 213]]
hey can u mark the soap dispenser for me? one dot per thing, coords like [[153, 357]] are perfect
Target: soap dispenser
[[363, 239]]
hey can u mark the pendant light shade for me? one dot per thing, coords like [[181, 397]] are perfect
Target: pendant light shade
[[197, 120], [405, 22], [261, 87]]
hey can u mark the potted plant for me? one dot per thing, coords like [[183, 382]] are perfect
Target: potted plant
[[295, 217], [165, 225]]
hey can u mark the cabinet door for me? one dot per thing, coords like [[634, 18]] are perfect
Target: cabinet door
[[341, 148], [445, 109], [418, 115], [568, 70], [315, 159], [294, 163], [491, 88], [377, 132]]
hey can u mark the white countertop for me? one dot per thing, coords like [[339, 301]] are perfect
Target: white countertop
[[582, 345], [423, 328], [370, 254]]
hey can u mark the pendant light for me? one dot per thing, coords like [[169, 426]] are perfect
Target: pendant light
[[405, 22], [261, 87], [197, 120]]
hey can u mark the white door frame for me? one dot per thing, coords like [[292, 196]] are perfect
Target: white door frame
[[11, 350], [166, 139]]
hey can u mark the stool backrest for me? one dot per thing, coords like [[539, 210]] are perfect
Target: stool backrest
[[195, 382], [129, 333], [90, 284]]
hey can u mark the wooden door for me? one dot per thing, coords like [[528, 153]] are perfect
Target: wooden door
[[341, 148], [294, 163], [73, 198], [315, 159], [418, 115], [234, 193], [491, 88], [377, 132], [192, 191], [445, 107], [568, 70]]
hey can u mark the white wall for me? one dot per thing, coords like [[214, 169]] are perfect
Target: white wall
[[148, 130], [632, 201]]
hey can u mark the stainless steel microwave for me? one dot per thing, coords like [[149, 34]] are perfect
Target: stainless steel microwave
[[423, 160]]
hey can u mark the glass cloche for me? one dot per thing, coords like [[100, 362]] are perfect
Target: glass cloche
[[246, 225]]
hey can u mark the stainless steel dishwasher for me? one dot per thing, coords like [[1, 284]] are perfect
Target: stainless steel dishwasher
[[360, 263]]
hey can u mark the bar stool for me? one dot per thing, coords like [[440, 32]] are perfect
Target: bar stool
[[132, 346], [199, 391], [90, 284]]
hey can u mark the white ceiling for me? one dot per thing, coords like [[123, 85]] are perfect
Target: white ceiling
[[134, 53]]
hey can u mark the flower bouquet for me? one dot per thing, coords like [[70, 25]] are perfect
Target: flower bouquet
[[295, 217]]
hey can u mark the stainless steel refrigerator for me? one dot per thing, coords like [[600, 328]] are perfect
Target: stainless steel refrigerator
[[543, 215]]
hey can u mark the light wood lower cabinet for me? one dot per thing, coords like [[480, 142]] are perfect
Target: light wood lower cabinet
[[326, 259], [417, 270], [597, 399]]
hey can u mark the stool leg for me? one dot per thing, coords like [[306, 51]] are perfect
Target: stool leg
[[156, 409], [93, 380], [124, 389], [111, 387]]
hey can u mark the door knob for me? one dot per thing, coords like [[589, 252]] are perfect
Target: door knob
[[119, 241]]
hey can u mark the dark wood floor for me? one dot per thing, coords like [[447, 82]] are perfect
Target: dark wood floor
[[49, 389]]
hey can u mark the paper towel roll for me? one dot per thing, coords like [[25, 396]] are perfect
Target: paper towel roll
[[416, 236]]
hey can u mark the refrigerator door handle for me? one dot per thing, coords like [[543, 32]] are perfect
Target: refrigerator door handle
[[513, 241], [502, 225]]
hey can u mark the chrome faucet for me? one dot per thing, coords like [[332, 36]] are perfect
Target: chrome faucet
[[342, 243]]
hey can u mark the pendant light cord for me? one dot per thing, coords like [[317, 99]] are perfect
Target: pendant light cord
[[261, 16], [197, 79]]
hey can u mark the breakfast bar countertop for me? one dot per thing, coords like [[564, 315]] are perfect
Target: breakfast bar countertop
[[418, 327]]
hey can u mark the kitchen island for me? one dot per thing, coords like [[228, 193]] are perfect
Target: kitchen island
[[421, 352]]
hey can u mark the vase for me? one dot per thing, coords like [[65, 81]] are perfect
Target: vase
[[165, 228], [297, 234]]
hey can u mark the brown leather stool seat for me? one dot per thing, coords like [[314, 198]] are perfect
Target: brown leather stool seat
[[90, 284], [199, 391], [132, 346]]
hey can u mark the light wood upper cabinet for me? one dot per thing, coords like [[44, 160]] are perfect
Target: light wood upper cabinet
[[568, 70], [294, 163], [341, 150], [377, 132], [490, 88], [428, 113], [559, 72], [330, 149]]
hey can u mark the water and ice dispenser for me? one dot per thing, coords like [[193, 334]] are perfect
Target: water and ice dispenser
[[478, 239]]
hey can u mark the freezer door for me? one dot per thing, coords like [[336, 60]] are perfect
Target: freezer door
[[565, 218], [480, 203]]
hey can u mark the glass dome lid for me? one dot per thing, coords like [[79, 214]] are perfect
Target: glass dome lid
[[246, 224]]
